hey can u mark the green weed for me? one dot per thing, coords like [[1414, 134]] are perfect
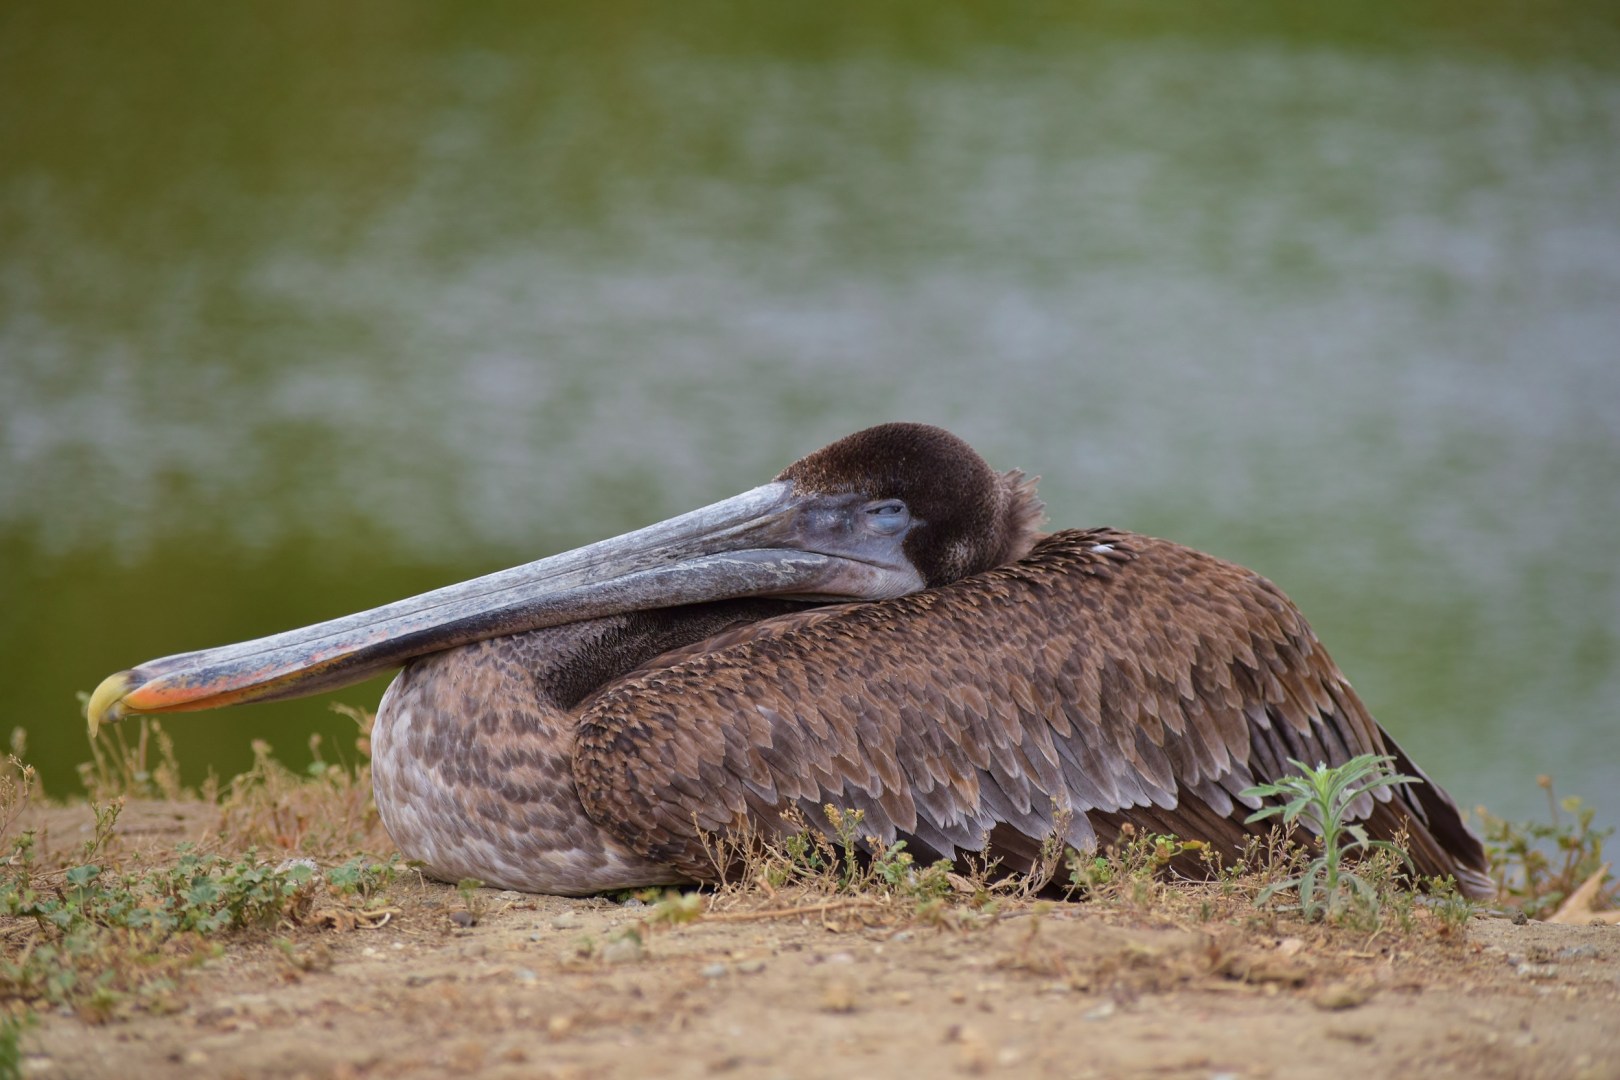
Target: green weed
[[101, 936], [11, 1054], [1537, 864], [468, 889], [102, 940], [803, 853], [846, 827], [1130, 869], [886, 868], [1449, 905], [362, 876], [1322, 797], [675, 909]]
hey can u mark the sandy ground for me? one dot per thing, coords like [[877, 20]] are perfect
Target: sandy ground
[[539, 988]]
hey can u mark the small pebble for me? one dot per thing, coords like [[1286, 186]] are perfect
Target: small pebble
[[566, 921], [464, 918], [715, 971], [1340, 995], [750, 967], [1099, 1012], [838, 996]]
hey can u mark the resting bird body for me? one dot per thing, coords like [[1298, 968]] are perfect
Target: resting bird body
[[899, 641]]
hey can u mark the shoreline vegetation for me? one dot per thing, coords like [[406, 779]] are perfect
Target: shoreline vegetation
[[150, 903]]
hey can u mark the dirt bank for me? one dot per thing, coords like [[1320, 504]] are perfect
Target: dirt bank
[[548, 987]]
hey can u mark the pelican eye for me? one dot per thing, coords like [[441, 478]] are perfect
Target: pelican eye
[[887, 516]]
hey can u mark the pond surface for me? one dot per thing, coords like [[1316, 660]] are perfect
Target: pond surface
[[305, 310]]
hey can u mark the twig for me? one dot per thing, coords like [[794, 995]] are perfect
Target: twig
[[786, 913], [380, 915]]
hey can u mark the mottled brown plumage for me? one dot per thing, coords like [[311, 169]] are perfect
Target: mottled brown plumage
[[1114, 676], [587, 721]]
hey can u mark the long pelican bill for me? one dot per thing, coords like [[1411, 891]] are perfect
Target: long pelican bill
[[768, 541]]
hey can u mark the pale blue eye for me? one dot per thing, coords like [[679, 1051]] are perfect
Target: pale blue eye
[[888, 516]]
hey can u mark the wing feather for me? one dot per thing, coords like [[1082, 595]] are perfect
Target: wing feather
[[1124, 678]]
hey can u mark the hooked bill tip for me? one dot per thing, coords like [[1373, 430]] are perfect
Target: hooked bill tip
[[107, 703]]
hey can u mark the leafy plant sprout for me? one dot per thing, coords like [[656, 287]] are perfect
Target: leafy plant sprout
[[1538, 864], [1323, 798]]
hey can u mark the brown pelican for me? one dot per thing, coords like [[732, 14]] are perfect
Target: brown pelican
[[879, 628]]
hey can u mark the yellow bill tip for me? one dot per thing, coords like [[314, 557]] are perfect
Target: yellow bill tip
[[107, 703]]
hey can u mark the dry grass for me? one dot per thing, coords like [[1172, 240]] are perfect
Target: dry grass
[[143, 769], [830, 877], [325, 812]]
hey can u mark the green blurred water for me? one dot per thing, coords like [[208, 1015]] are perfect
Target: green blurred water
[[303, 310]]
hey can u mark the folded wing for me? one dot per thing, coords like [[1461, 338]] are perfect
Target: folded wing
[[1106, 678]]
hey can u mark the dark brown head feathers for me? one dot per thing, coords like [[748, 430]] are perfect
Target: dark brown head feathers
[[970, 517]]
